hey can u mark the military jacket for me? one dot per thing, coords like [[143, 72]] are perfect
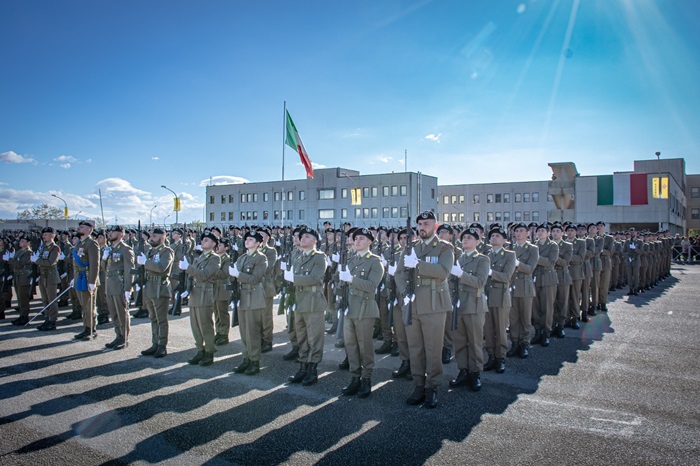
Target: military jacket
[[632, 251], [88, 251], [367, 272], [269, 277], [118, 267], [607, 251], [588, 262], [178, 254], [253, 268], [498, 284], [223, 279], [597, 262], [309, 270], [545, 275], [48, 264], [203, 272], [561, 266], [578, 257], [159, 263], [523, 285], [472, 296], [22, 267]]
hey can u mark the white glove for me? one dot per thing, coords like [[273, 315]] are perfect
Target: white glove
[[9, 277], [392, 270], [233, 271], [91, 287], [63, 275], [183, 264], [277, 243], [185, 294], [138, 287], [34, 257], [457, 270], [72, 282], [61, 256], [345, 275], [141, 259], [6, 256], [633, 246], [127, 296], [105, 254], [336, 257], [489, 271], [198, 247], [517, 263], [235, 247], [283, 265], [410, 261], [289, 275], [329, 261], [12, 254], [384, 262]]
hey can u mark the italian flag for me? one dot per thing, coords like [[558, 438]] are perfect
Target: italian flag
[[623, 189], [293, 140]]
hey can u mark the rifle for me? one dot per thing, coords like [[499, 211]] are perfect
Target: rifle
[[181, 280], [140, 275], [410, 276], [391, 293], [380, 253], [343, 287], [234, 300], [455, 290]]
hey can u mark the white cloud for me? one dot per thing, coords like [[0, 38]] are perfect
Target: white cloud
[[13, 201], [65, 159], [119, 187], [223, 179], [433, 137], [155, 158], [315, 165], [65, 165], [384, 158], [12, 157]]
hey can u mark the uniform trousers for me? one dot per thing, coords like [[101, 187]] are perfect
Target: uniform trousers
[[310, 329], [521, 320], [101, 300], [495, 335], [586, 294], [561, 304], [357, 334], [222, 318], [400, 332], [425, 336], [23, 298], [633, 277], [202, 324], [575, 299], [119, 313], [543, 308], [87, 303], [158, 315], [292, 329], [384, 317], [267, 322], [469, 341], [48, 294], [595, 286], [605, 276], [250, 323]]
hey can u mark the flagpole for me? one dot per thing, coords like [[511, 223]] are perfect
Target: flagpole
[[284, 136]]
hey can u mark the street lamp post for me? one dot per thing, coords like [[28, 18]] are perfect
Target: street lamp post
[[177, 199], [164, 219], [150, 218], [65, 210]]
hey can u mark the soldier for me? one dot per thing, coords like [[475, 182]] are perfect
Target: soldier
[[472, 270], [545, 278], [86, 265], [141, 246], [578, 255], [523, 291], [5, 277], [268, 283], [21, 264], [499, 302], [597, 265], [431, 260], [64, 266], [177, 244], [363, 275], [118, 261], [306, 273], [404, 370], [587, 273], [222, 295], [203, 272], [46, 259], [446, 233], [384, 253], [632, 251], [608, 245], [292, 236], [77, 310], [561, 267], [101, 296], [157, 262], [250, 269]]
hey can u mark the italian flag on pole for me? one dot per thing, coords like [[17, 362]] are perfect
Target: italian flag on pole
[[623, 189], [294, 140]]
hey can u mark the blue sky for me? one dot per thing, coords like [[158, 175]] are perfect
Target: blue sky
[[126, 96]]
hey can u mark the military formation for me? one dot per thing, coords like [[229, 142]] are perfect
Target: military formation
[[430, 293]]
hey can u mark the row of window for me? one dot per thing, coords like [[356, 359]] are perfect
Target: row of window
[[527, 216], [695, 214], [695, 192], [494, 198], [323, 194], [253, 215], [325, 214]]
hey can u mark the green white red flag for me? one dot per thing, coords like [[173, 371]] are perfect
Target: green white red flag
[[293, 140]]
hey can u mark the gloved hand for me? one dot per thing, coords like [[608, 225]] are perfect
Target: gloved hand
[[490, 271], [289, 275], [64, 275], [105, 254], [391, 270], [6, 256], [138, 287], [233, 271], [517, 263], [91, 287], [329, 261], [410, 261], [335, 257], [72, 282], [127, 296], [34, 257], [633, 246], [141, 259], [345, 275], [235, 247], [283, 266], [198, 247], [457, 270], [277, 243], [183, 264], [185, 294], [384, 262], [61, 256]]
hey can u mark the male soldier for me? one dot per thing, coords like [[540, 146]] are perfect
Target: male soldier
[[292, 236], [141, 247], [384, 252], [179, 248], [404, 370], [430, 260], [5, 277], [363, 275], [250, 269], [587, 273], [615, 261], [597, 264], [499, 302], [63, 266], [561, 266], [545, 278], [46, 259], [222, 294], [632, 251], [203, 272], [268, 283], [608, 244], [330, 247], [77, 310], [482, 247], [446, 233], [118, 261], [523, 289], [578, 255], [101, 296], [86, 265], [306, 273], [22, 273], [472, 270], [156, 296], [644, 262]]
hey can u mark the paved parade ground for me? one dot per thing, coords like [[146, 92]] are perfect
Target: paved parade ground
[[625, 389]]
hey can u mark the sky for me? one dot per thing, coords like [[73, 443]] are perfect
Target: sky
[[121, 98]]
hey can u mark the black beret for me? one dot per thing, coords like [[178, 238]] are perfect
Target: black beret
[[211, 237], [473, 232], [600, 222], [48, 230], [445, 226], [570, 226], [498, 230], [89, 223], [543, 225], [158, 231], [308, 231], [532, 225], [476, 225], [519, 225], [364, 232], [116, 228], [557, 225], [253, 234], [427, 215]]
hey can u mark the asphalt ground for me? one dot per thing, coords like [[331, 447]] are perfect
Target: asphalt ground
[[624, 389]]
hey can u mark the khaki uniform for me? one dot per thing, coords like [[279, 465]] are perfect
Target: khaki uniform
[[5, 283], [597, 264], [118, 267], [523, 292], [576, 272], [156, 293], [48, 278], [222, 280], [606, 268], [270, 292], [86, 267], [587, 277], [545, 278], [253, 267], [22, 275], [100, 295], [632, 252], [469, 336], [203, 272], [309, 269], [499, 302], [564, 281], [179, 252], [429, 309]]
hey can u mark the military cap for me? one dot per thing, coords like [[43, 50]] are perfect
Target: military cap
[[48, 230], [477, 225], [570, 226], [211, 237], [308, 231], [519, 225], [632, 229], [498, 230], [581, 226], [351, 231], [116, 228], [427, 215], [364, 232], [178, 231], [158, 231], [543, 226], [588, 226], [215, 228], [556, 225], [89, 223], [381, 228], [253, 234], [445, 226], [532, 225], [473, 232], [600, 222]]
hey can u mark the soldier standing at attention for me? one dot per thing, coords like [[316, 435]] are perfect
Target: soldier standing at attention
[[179, 251], [523, 289], [608, 245], [472, 270], [47, 259], [578, 255], [561, 266], [631, 253], [306, 273], [100, 296], [404, 370], [587, 273], [597, 264], [156, 295], [363, 275], [250, 269], [269, 289], [499, 302], [22, 272], [118, 261], [86, 266], [222, 293], [203, 273], [431, 260], [446, 233], [545, 278]]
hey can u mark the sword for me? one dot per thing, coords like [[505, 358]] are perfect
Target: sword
[[47, 306]]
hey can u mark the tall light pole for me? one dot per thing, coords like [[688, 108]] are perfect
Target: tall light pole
[[150, 218], [176, 206], [65, 209], [164, 219]]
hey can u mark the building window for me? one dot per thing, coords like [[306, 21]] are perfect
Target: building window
[[499, 217], [290, 214], [461, 198], [385, 191], [375, 191], [255, 215], [506, 198], [326, 194], [266, 197], [385, 212], [242, 215], [461, 216], [343, 213], [550, 198], [266, 215], [432, 193], [454, 199], [277, 214], [695, 214], [365, 193], [498, 198], [249, 215], [518, 197], [230, 198], [211, 199], [404, 190], [278, 196], [535, 216], [445, 200], [242, 198], [404, 212], [211, 216], [394, 212], [526, 197], [230, 216], [476, 199], [445, 217], [326, 213], [489, 216], [344, 193], [375, 212], [365, 212], [358, 212], [535, 197], [223, 216], [394, 190], [223, 199], [290, 195], [695, 192], [302, 195], [526, 216], [518, 216], [301, 214], [477, 216], [506, 216], [454, 217], [489, 198]]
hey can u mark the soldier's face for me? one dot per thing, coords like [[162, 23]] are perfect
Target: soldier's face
[[520, 234], [307, 241], [557, 234], [208, 244], [497, 240], [426, 228], [23, 243], [469, 242], [570, 233], [47, 237], [601, 229], [542, 234], [362, 243], [581, 232], [156, 239], [402, 241], [444, 235], [251, 244]]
